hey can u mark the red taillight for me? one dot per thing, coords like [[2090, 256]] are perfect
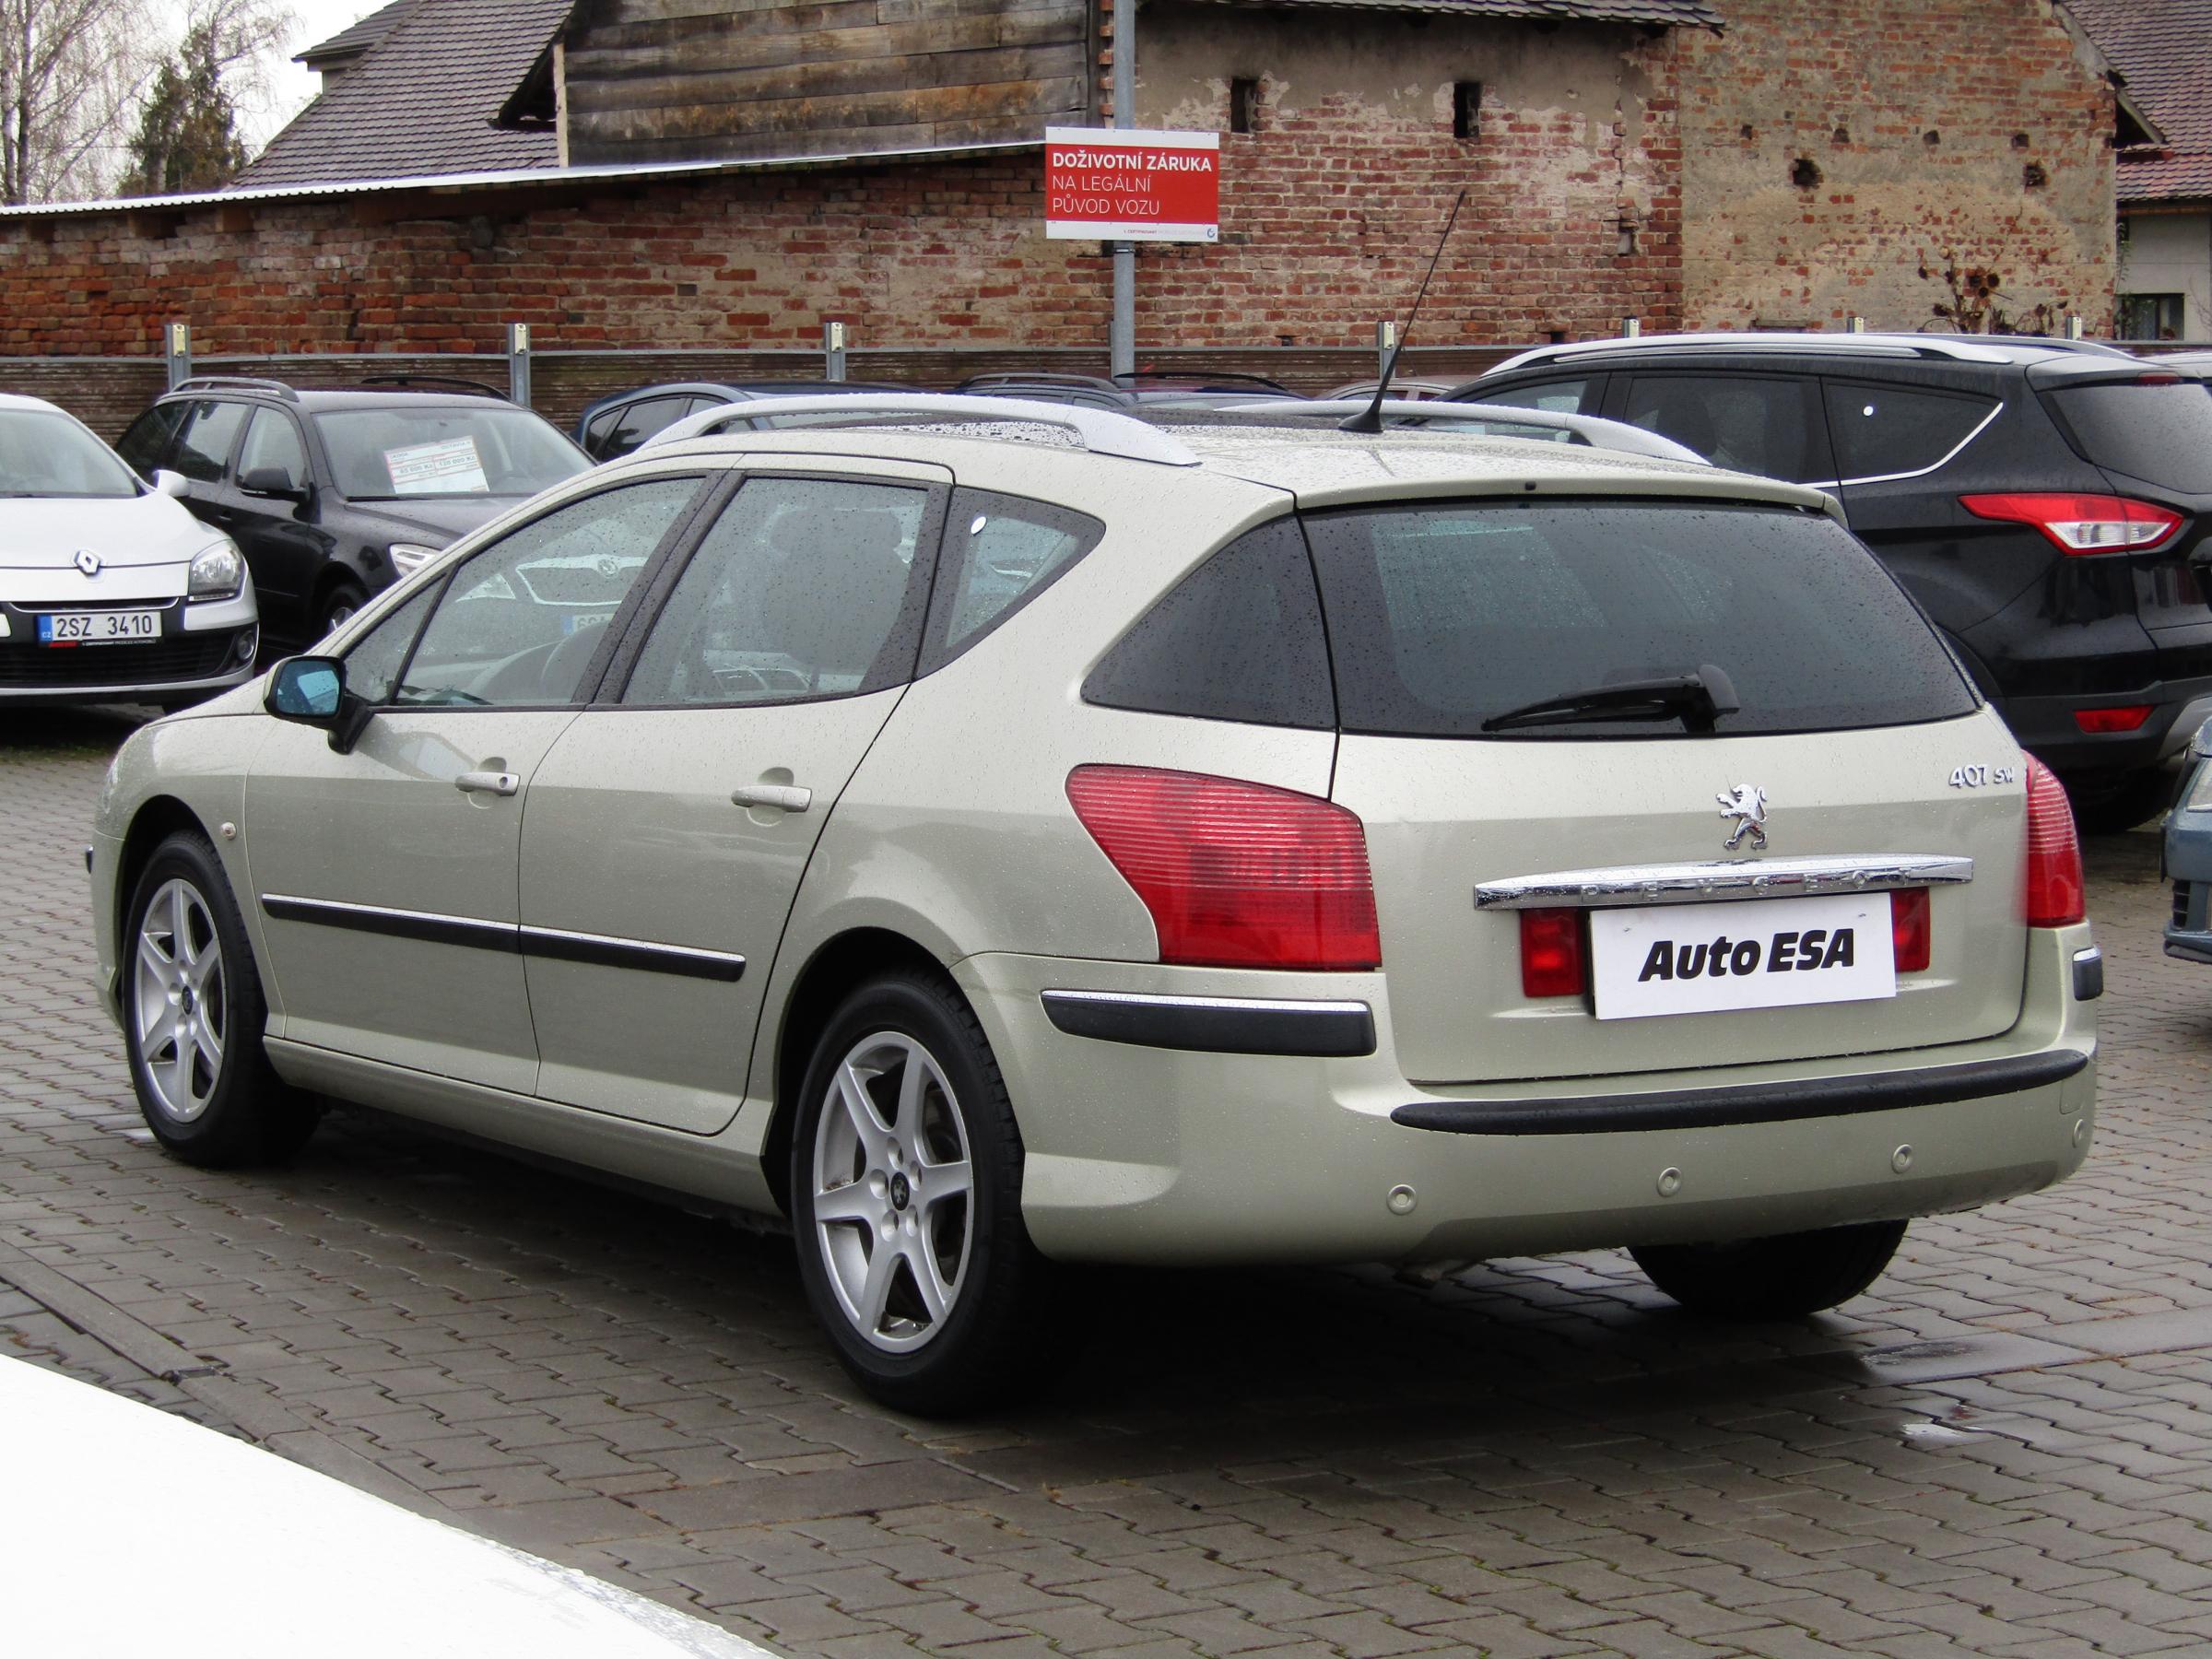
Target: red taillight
[[1551, 953], [1909, 931], [2054, 882], [2081, 523], [2129, 717], [1235, 875]]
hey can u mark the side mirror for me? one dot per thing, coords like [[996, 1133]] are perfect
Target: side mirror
[[174, 485], [311, 691], [272, 481]]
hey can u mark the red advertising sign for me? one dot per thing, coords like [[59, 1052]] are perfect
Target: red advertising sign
[[1131, 184]]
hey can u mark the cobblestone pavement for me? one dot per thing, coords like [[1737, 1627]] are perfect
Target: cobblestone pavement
[[2003, 1449]]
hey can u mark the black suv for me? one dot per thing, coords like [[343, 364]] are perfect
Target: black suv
[[2046, 501], [332, 495]]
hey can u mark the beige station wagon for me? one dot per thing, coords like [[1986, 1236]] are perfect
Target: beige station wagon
[[1067, 840]]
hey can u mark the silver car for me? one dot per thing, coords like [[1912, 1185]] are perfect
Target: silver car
[[1066, 840], [110, 590]]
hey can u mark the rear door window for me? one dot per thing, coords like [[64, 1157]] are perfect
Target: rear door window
[[143, 445], [1764, 424], [640, 421], [1556, 397], [1238, 639], [1445, 616], [203, 444], [1886, 431], [2160, 433], [804, 588]]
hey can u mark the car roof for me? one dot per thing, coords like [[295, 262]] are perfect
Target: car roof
[[1989, 350], [1316, 467], [21, 400]]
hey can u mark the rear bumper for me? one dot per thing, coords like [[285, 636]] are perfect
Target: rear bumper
[[2047, 728], [1149, 1154]]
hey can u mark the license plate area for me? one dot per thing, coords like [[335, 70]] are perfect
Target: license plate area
[[100, 628], [1771, 953]]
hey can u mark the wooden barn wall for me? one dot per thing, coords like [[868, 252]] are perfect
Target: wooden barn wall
[[693, 79]]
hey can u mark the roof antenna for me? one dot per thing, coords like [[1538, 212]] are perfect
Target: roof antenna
[[1369, 419]]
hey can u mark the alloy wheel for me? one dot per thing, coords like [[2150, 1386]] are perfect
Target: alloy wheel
[[178, 1004], [892, 1185]]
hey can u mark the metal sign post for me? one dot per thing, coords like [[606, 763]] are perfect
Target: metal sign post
[[518, 363], [833, 351], [176, 349], [1120, 333]]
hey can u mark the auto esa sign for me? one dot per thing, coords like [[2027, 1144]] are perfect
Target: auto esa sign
[[1132, 184]]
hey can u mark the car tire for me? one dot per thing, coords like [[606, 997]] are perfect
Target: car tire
[[1785, 1277], [932, 1294], [339, 605], [2109, 806], [193, 1016]]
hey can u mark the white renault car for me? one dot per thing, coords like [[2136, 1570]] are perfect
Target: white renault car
[[1069, 841], [110, 590]]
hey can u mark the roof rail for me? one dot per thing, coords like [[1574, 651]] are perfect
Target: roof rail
[[1102, 431], [1963, 348], [408, 383], [235, 382], [1041, 377], [1426, 412]]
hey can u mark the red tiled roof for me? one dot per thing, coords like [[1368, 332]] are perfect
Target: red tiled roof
[[2163, 49]]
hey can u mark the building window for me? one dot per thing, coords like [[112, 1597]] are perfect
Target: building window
[[1466, 108], [2151, 317], [1244, 105]]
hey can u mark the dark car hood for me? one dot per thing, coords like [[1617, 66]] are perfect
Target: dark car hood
[[438, 522]]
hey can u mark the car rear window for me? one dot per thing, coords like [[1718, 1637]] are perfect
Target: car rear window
[[1444, 614], [2161, 434]]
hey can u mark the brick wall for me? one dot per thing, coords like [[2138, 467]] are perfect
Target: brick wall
[[1331, 210], [1915, 129]]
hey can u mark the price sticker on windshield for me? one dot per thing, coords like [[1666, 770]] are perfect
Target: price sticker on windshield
[[450, 467]]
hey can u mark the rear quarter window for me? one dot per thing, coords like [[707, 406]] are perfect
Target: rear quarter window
[[2161, 434], [1240, 638], [1444, 614], [1881, 431]]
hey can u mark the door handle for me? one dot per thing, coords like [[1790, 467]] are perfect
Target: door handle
[[488, 783], [784, 797]]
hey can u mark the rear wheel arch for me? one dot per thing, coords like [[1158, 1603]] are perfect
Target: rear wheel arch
[[839, 966]]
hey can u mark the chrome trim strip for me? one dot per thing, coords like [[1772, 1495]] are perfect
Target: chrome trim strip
[[605, 950], [1722, 879], [428, 925], [1957, 451], [1239, 1005], [554, 944]]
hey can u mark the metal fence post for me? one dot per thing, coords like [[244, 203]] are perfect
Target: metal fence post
[[2072, 325], [833, 351], [1386, 342], [1854, 324], [518, 363], [176, 349], [1631, 328]]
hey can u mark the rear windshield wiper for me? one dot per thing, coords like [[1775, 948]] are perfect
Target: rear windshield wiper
[[1698, 699]]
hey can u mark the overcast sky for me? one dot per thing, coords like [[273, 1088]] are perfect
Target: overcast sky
[[291, 85]]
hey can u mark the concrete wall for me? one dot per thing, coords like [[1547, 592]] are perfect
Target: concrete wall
[[1921, 123], [2172, 254]]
